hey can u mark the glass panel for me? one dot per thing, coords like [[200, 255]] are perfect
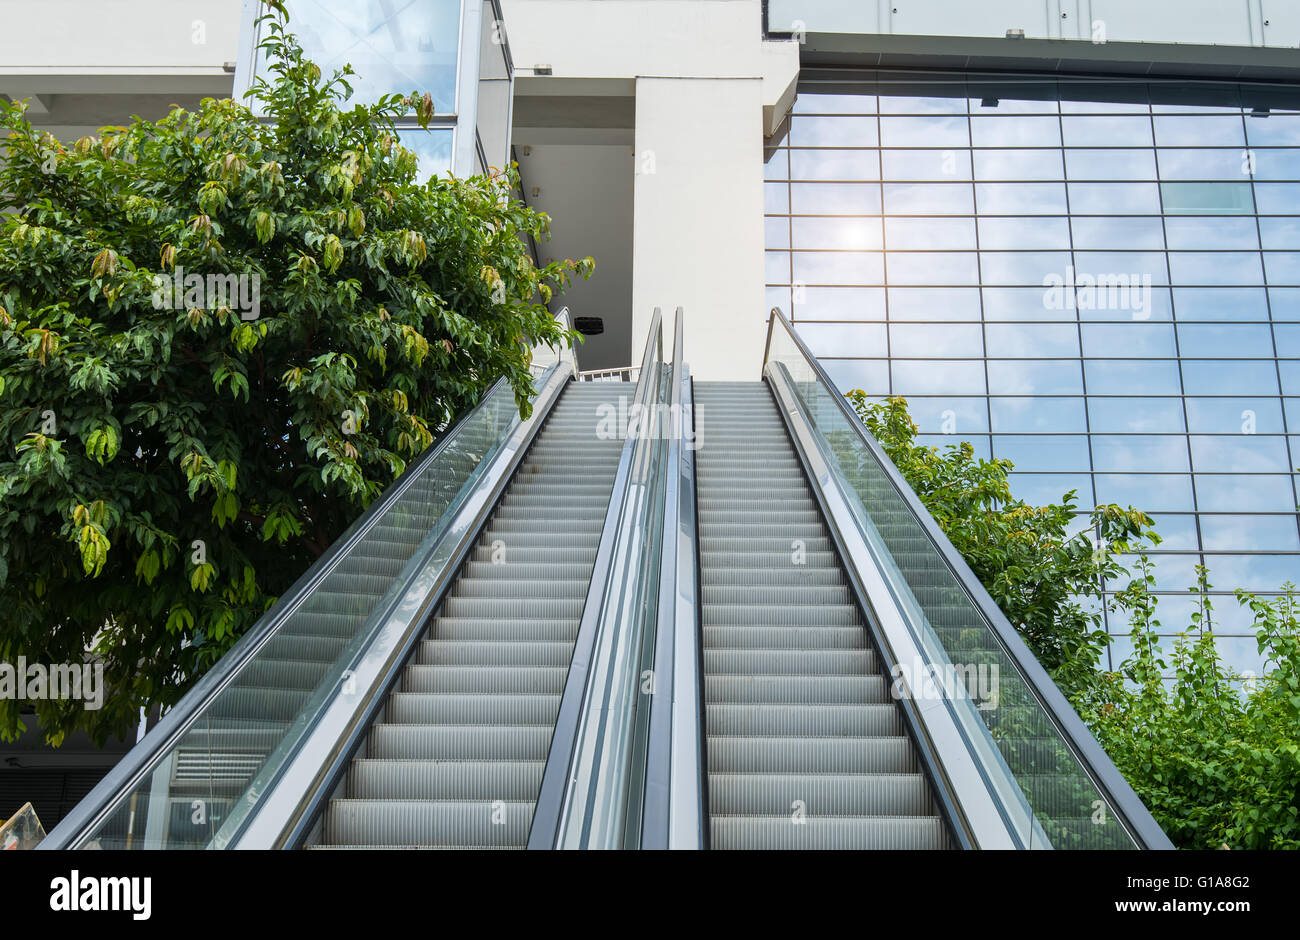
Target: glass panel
[[950, 415], [930, 233], [836, 131], [1027, 767], [1207, 198], [432, 149], [932, 267], [1109, 131], [1282, 267], [833, 199], [1150, 492], [1110, 164], [926, 164], [1018, 131], [1039, 489], [1240, 453], [1031, 341], [1035, 377], [1022, 267], [391, 50], [1054, 452], [1131, 452], [838, 267], [244, 734], [1200, 131], [834, 165], [829, 339], [1236, 341], [1229, 378], [1234, 416], [839, 303], [1025, 303], [1136, 377], [1018, 164], [917, 377], [924, 132], [1249, 533], [1020, 198], [841, 234], [1027, 415], [928, 198], [1232, 165], [1040, 233], [1117, 233], [1115, 198], [1276, 233], [1244, 493], [934, 303], [1217, 303], [947, 339], [1194, 233], [1123, 340], [1136, 415]]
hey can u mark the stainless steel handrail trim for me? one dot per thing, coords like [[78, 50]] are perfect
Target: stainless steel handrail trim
[[556, 777]]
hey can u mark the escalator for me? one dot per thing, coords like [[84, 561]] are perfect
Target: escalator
[[806, 749], [456, 759], [722, 621]]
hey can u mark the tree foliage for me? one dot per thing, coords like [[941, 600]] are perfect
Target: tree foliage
[[1213, 754], [171, 462], [1042, 564]]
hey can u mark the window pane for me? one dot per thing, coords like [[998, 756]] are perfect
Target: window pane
[[1278, 198], [1035, 377], [1021, 267], [1232, 165], [950, 415], [1229, 378], [934, 303], [928, 198], [838, 267], [1024, 415], [1135, 415], [1239, 453], [1114, 198], [1134, 131], [932, 267], [927, 164], [993, 131], [1200, 130], [1282, 267], [1120, 232], [1021, 303], [924, 132], [840, 234], [1228, 341], [1031, 341], [1223, 267], [1150, 492], [1193, 233], [834, 165], [1207, 198], [1247, 533], [1045, 452], [833, 199], [1039, 489], [1128, 339], [947, 339], [831, 339], [1040, 233], [832, 131], [1279, 233], [930, 233], [1143, 377], [848, 374], [1274, 130], [839, 303], [1131, 452], [1020, 198], [1234, 416], [1244, 493], [1218, 303], [913, 377], [1110, 164], [1018, 164]]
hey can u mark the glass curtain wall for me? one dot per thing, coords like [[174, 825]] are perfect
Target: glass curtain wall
[[1098, 280]]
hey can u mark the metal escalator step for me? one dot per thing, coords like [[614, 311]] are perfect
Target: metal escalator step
[[444, 779], [872, 755], [450, 708], [493, 653], [829, 690], [459, 742], [771, 638], [503, 679], [827, 833], [391, 823], [803, 720], [774, 794], [787, 661]]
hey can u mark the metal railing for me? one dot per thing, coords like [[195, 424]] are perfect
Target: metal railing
[[264, 726], [591, 786], [1017, 768]]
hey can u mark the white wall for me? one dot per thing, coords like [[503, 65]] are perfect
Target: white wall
[[698, 219], [116, 46], [707, 88]]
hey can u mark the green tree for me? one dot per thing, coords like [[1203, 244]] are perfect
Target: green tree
[[1043, 565], [1213, 754], [177, 449]]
